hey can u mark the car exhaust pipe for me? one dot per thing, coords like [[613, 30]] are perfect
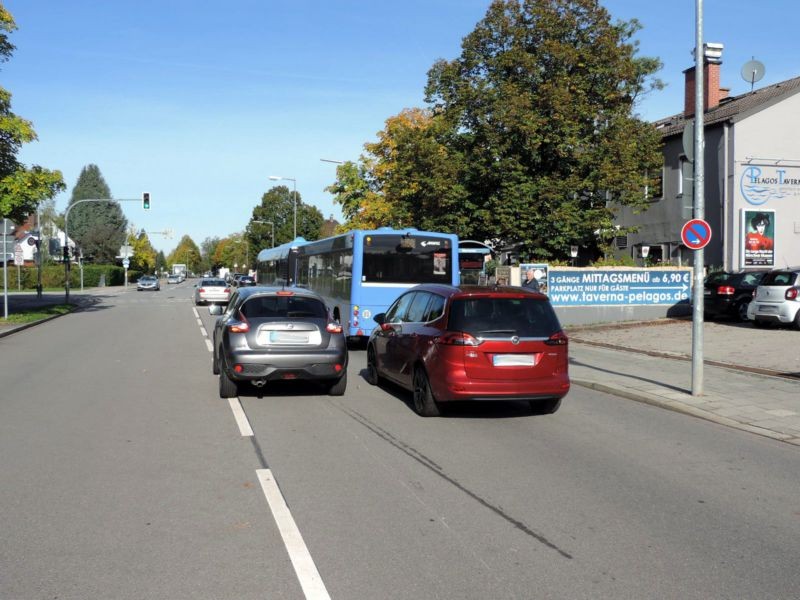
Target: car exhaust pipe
[[259, 383]]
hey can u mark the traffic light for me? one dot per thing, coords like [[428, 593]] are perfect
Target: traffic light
[[146, 200], [54, 246]]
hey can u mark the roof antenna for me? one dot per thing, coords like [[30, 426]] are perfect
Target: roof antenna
[[752, 71]]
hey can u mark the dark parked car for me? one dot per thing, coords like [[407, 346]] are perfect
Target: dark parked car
[[777, 299], [728, 294], [245, 281], [268, 334], [448, 343]]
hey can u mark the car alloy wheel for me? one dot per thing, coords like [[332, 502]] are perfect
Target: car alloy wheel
[[424, 403], [373, 377]]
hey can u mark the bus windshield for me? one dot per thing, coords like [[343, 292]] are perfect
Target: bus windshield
[[390, 258]]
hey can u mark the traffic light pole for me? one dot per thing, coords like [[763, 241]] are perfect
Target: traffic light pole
[[66, 231]]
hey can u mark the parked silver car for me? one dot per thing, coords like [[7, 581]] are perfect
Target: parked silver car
[[211, 291], [777, 299]]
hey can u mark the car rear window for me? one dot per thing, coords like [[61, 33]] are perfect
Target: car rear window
[[263, 307], [213, 283], [525, 317], [779, 278]]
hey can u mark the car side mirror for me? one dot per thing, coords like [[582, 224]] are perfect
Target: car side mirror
[[380, 318], [215, 309]]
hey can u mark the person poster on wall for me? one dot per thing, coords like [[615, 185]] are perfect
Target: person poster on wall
[[534, 272], [758, 238]]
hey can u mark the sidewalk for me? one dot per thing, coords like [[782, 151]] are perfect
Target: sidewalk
[[642, 363]]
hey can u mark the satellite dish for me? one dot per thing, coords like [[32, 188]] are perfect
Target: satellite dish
[[753, 71]]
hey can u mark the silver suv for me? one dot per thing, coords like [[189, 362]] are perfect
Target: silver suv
[[777, 299]]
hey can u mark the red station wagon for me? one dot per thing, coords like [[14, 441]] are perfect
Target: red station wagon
[[448, 343]]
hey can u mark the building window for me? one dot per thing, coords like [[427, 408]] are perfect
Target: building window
[[683, 173], [654, 185]]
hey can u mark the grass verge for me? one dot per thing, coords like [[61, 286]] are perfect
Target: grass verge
[[36, 314]]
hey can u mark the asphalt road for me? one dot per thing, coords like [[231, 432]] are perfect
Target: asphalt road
[[123, 475]]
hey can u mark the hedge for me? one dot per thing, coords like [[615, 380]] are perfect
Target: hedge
[[53, 276]]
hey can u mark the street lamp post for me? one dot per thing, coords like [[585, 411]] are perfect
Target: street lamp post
[[294, 204]]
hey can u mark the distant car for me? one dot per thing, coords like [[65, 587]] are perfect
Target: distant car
[[245, 281], [729, 294], [446, 343], [148, 282], [233, 278], [212, 291], [777, 299], [174, 278], [268, 334]]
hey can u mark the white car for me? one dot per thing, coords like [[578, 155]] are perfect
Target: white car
[[211, 291], [777, 299]]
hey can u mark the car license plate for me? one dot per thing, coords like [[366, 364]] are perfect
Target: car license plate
[[288, 337], [513, 360]]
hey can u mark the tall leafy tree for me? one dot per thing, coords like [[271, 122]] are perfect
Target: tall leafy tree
[[97, 227], [207, 249], [21, 188], [161, 261], [186, 253], [540, 108], [144, 255], [277, 206]]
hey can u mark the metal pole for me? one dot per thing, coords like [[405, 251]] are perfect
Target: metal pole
[[294, 182], [5, 267], [699, 204], [39, 256]]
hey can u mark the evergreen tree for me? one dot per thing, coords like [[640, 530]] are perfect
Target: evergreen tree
[[97, 227]]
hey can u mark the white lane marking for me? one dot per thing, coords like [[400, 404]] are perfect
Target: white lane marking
[[240, 417], [196, 314], [209, 345], [203, 331], [307, 574], [200, 322]]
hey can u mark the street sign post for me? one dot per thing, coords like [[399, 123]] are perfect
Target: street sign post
[[696, 234]]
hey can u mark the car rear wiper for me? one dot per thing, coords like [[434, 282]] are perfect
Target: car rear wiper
[[499, 331]]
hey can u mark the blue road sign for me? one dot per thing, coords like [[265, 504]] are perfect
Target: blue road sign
[[696, 234]]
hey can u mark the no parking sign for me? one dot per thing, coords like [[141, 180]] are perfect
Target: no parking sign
[[696, 234]]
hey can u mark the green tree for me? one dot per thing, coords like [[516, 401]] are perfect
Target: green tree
[[21, 188], [186, 253], [97, 227], [539, 109], [161, 261], [277, 206], [144, 255], [207, 249]]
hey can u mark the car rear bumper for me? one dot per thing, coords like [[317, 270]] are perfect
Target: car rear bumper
[[456, 387], [249, 366], [785, 312]]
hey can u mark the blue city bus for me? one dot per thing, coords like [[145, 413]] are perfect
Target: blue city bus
[[278, 266], [360, 273]]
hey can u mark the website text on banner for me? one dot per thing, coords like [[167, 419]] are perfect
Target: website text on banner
[[595, 287]]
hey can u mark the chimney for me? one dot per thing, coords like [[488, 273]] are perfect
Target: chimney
[[712, 92]]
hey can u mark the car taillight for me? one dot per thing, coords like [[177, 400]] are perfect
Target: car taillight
[[791, 293], [202, 290], [726, 290], [241, 326], [333, 328], [227, 290], [557, 339], [457, 339]]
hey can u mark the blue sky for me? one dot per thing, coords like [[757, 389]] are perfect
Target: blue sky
[[199, 102]]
